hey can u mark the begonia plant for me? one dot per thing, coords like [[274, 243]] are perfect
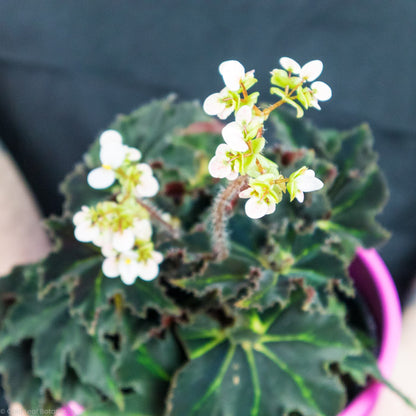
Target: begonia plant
[[201, 268]]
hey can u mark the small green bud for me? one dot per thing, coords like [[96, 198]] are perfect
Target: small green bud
[[281, 78], [280, 93]]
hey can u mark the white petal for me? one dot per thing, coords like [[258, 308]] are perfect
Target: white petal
[[321, 90], [312, 70], [124, 240], [232, 73], [157, 257], [129, 277], [245, 194], [148, 271], [300, 196], [142, 229], [308, 183], [112, 155], [148, 186], [110, 267], [226, 112], [213, 106], [109, 137], [249, 74], [85, 233], [232, 176], [255, 208], [217, 168], [82, 217], [290, 65], [271, 208], [101, 178], [104, 238], [132, 154], [315, 104], [129, 267], [309, 173], [244, 114], [107, 250], [222, 150], [129, 273], [145, 169], [233, 136]]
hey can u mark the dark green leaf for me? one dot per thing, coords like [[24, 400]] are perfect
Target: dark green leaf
[[51, 349], [73, 389], [30, 317], [93, 364], [134, 406], [279, 364], [18, 380]]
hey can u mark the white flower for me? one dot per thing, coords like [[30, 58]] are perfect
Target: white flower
[[290, 65], [142, 229], [320, 92], [232, 72], [148, 185], [303, 180], [233, 133], [149, 269], [110, 267], [124, 265], [258, 205], [221, 166], [124, 240], [108, 240], [112, 155], [83, 216], [311, 70], [308, 72], [128, 267], [85, 231], [101, 178], [112, 242], [110, 137], [132, 154], [105, 240], [219, 104]]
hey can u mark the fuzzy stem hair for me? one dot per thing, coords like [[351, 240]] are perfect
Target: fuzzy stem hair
[[219, 217], [157, 215]]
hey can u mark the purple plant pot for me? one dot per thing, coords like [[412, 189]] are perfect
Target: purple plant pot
[[373, 280]]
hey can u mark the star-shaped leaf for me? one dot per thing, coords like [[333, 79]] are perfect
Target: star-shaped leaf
[[279, 364]]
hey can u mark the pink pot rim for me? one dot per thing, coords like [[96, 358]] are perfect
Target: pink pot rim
[[374, 282]]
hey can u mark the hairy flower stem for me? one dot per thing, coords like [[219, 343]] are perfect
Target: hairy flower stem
[[156, 214], [219, 216]]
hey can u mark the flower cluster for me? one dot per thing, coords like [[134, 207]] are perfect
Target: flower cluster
[[121, 228], [291, 84], [241, 154], [119, 162]]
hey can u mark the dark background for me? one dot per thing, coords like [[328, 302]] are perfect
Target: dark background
[[67, 67]]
